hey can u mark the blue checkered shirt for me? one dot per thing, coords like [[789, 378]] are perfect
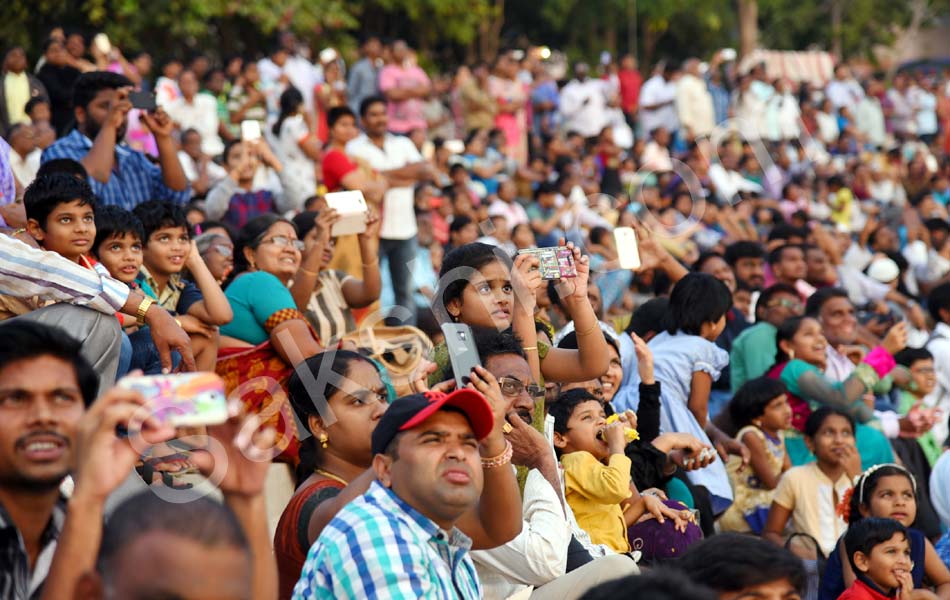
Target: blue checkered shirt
[[134, 179], [380, 547]]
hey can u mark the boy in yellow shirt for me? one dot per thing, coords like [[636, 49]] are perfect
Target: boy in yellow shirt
[[597, 480]]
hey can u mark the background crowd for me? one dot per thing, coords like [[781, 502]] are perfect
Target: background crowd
[[782, 352]]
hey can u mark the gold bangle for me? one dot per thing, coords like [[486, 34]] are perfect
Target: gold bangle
[[178, 322], [530, 348], [143, 308], [18, 231], [592, 329], [310, 273]]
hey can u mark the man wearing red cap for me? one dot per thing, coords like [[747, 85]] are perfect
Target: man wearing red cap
[[399, 540]]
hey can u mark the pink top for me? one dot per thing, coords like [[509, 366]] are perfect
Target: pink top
[[404, 115]]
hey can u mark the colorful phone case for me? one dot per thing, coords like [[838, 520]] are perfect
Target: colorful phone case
[[182, 399]]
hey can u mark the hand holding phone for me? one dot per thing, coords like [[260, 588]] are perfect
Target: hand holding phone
[[463, 354], [625, 239], [556, 262], [352, 208], [143, 100], [250, 130], [182, 399]]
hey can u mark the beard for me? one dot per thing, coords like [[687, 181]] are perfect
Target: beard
[[32, 485], [92, 129]]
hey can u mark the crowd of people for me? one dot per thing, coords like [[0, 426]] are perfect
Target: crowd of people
[[758, 410]]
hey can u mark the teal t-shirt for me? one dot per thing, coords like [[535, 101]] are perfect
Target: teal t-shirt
[[254, 297]]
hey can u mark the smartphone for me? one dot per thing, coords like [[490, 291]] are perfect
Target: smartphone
[[462, 351], [555, 262], [352, 208], [625, 239], [182, 399], [250, 130], [143, 100], [102, 43]]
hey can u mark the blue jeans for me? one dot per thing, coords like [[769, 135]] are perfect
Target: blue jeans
[[145, 354], [400, 254]]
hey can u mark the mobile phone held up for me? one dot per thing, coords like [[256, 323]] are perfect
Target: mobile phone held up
[[555, 262], [143, 100], [182, 399], [250, 130], [625, 239], [351, 206], [463, 354]]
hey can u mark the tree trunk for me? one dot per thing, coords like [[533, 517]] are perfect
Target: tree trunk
[[748, 26], [837, 8]]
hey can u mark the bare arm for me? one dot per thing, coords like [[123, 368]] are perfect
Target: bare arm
[[775, 524], [361, 293], [100, 159], [214, 308], [760, 461], [699, 388], [160, 124], [293, 341]]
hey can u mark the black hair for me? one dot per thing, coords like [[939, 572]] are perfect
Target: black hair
[[751, 399], [25, 339], [774, 290], [491, 342], [817, 418], [775, 256], [189, 131], [88, 85], [729, 562], [305, 221], [562, 408], [939, 298], [696, 299], [46, 193], [338, 112], [457, 268], [935, 224], [205, 225], [34, 102], [158, 214], [864, 535], [367, 102], [459, 222], [202, 520], [597, 234], [866, 483], [655, 584], [743, 249], [703, 259], [785, 332], [250, 236], [569, 341], [290, 101], [545, 187], [63, 165], [909, 356], [310, 393], [115, 221], [649, 317], [817, 300]]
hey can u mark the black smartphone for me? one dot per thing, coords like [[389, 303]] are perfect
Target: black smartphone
[[143, 100], [462, 351]]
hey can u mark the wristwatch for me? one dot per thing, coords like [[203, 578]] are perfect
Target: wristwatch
[[143, 308]]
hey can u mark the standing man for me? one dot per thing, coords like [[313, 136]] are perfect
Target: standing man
[[584, 103], [694, 104], [363, 81], [658, 101], [406, 87], [398, 160], [630, 83], [119, 175], [400, 540]]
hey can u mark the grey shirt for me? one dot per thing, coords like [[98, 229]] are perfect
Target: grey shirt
[[362, 83]]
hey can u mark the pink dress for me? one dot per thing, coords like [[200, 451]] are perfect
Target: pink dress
[[513, 125]]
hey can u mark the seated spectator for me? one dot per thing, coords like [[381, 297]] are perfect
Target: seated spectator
[[237, 199], [505, 204], [920, 363], [217, 250], [199, 304], [753, 352], [246, 101], [17, 88], [202, 172], [879, 553], [267, 334], [829, 434], [298, 149], [659, 584], [546, 215], [462, 231], [101, 106], [326, 296], [196, 111], [59, 78], [24, 155], [741, 566], [418, 499], [37, 109]]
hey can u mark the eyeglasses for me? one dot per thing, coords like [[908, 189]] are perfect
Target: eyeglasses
[[225, 251], [282, 241], [785, 303], [512, 387]]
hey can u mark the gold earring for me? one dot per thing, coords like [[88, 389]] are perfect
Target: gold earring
[[791, 354], [253, 266], [323, 440]]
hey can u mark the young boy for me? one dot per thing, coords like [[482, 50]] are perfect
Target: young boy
[[809, 494], [200, 304], [879, 552], [923, 380], [118, 244]]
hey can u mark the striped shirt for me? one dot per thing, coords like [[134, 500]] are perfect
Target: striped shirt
[[17, 581], [26, 272], [380, 547], [327, 310], [134, 179]]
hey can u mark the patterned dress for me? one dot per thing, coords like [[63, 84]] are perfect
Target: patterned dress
[[750, 507]]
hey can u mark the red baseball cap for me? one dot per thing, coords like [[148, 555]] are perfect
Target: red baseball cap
[[409, 411]]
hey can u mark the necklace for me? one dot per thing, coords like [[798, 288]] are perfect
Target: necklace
[[329, 475]]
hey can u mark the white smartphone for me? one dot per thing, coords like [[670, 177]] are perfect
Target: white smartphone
[[626, 240], [250, 130], [352, 208]]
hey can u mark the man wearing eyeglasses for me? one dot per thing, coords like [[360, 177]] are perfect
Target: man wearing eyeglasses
[[537, 559], [753, 352]]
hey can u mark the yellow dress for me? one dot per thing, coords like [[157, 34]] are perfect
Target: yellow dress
[[751, 502]]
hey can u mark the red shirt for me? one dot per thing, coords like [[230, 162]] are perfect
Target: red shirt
[[336, 164], [630, 82], [862, 591]]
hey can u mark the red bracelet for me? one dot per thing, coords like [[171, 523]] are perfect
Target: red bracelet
[[502, 459]]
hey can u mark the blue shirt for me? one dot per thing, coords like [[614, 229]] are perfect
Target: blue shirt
[[380, 547], [134, 179]]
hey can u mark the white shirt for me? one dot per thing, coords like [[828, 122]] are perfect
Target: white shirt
[[24, 169], [694, 105], [201, 114], [939, 346], [870, 121], [730, 183], [399, 217], [537, 555], [215, 171], [657, 90], [656, 157], [586, 119], [844, 93], [298, 177], [513, 212], [302, 74]]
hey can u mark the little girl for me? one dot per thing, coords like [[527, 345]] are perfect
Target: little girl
[[760, 407], [686, 360], [886, 491]]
